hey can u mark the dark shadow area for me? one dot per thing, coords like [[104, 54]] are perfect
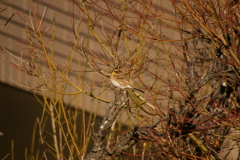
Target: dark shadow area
[[18, 113], [19, 110]]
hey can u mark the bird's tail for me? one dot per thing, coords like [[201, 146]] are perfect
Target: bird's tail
[[139, 90]]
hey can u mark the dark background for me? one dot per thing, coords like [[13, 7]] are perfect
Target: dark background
[[18, 112]]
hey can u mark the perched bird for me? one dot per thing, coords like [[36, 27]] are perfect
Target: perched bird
[[119, 81]]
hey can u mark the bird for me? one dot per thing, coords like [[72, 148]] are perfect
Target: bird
[[119, 81]]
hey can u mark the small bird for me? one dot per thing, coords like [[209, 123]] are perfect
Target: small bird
[[120, 82]]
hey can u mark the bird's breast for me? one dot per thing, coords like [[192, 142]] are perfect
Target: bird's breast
[[115, 83]]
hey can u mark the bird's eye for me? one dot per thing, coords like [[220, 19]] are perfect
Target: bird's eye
[[116, 71]]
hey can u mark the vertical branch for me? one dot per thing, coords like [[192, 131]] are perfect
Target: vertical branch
[[55, 140], [99, 150]]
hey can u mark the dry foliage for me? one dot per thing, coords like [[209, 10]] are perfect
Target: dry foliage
[[185, 59]]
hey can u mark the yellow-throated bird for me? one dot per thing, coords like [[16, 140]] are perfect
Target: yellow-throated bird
[[120, 81]]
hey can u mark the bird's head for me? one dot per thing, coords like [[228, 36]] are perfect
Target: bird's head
[[116, 71]]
